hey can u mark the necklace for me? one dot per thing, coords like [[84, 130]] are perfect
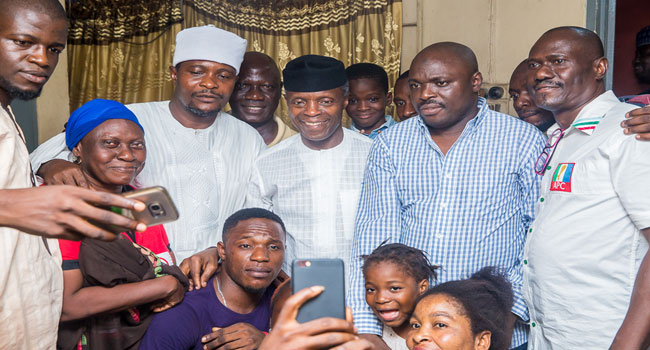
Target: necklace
[[220, 292]]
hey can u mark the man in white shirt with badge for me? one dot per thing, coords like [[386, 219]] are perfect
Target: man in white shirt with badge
[[586, 261], [313, 180], [203, 156]]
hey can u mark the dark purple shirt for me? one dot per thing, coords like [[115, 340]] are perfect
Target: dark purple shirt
[[182, 326]]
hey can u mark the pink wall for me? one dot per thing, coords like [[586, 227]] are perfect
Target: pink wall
[[631, 16]]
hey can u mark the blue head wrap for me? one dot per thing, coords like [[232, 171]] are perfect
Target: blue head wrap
[[90, 115]]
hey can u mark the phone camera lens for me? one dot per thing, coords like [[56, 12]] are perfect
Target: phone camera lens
[[155, 207]]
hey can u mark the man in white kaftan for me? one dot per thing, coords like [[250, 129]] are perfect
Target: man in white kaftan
[[204, 159], [313, 180], [315, 192]]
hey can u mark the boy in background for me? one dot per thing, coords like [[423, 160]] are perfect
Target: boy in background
[[368, 98]]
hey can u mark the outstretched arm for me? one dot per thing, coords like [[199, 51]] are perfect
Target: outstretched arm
[[322, 333], [51, 161], [81, 302], [65, 212]]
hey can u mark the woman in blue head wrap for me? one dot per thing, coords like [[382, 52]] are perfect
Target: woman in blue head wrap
[[108, 143]]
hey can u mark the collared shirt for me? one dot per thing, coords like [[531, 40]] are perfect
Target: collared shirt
[[585, 247], [467, 209], [373, 134], [315, 192], [206, 171], [31, 281], [284, 132]]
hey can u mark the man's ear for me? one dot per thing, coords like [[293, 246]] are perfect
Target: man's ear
[[173, 73], [600, 67], [482, 340], [221, 251], [477, 81]]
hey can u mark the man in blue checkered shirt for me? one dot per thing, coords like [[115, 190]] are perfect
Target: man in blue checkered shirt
[[457, 182]]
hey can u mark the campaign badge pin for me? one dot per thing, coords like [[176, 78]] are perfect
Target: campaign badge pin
[[561, 180]]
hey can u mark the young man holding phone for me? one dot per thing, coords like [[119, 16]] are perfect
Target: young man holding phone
[[234, 308], [32, 36]]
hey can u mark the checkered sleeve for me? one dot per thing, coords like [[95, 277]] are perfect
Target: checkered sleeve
[[519, 308], [378, 219], [529, 183]]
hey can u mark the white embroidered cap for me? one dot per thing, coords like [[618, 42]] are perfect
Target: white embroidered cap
[[209, 43]]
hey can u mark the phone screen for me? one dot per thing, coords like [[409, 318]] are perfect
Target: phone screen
[[328, 273]]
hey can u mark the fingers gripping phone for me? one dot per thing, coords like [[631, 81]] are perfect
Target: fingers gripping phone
[[159, 206], [320, 272]]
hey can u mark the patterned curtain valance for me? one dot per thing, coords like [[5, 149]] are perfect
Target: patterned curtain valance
[[286, 17], [106, 21]]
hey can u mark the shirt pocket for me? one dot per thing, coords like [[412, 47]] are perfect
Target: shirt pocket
[[589, 176]]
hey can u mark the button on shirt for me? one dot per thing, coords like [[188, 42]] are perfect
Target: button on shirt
[[585, 248], [467, 209]]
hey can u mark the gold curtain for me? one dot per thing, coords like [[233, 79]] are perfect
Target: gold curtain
[[136, 69], [121, 49]]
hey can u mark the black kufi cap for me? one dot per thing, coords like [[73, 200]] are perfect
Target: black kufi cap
[[311, 73]]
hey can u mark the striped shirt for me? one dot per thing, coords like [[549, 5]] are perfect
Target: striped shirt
[[467, 209]]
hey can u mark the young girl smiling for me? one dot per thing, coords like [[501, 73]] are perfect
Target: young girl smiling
[[395, 276]]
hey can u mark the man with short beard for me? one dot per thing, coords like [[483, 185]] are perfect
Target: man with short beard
[[202, 155], [256, 97], [586, 260], [33, 34]]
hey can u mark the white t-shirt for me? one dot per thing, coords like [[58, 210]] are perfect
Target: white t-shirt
[[584, 249], [393, 340]]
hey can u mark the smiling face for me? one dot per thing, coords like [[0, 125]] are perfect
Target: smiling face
[[202, 88], [443, 89], [439, 322], [317, 116], [391, 292], [30, 44], [402, 100], [257, 91], [523, 102], [565, 72], [367, 103], [253, 253], [112, 154]]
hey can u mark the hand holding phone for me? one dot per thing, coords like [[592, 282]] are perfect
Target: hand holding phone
[[328, 273], [159, 207]]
